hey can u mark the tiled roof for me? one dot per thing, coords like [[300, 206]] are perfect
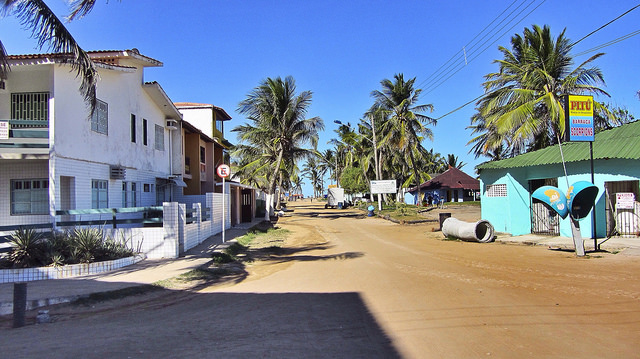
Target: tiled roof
[[95, 55], [621, 142], [451, 178]]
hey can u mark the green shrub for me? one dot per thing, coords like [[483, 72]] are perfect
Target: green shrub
[[28, 248], [32, 249]]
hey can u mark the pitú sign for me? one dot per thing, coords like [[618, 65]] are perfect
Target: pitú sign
[[578, 118]]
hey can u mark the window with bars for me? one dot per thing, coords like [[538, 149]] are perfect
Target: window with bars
[[496, 190], [159, 138], [29, 196], [99, 193], [100, 118], [30, 106]]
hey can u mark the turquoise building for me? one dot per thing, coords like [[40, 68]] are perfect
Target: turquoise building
[[506, 186]]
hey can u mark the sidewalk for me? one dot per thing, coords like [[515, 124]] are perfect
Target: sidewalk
[[55, 291], [625, 246]]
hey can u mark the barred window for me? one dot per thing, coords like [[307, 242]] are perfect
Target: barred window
[[30, 106], [29, 196], [496, 190], [100, 118], [159, 142]]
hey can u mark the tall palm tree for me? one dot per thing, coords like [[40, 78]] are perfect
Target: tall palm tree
[[278, 128], [312, 172], [406, 126], [523, 102], [47, 28]]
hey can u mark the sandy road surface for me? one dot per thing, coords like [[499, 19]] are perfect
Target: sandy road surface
[[358, 287]]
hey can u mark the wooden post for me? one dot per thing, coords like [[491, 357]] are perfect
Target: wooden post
[[19, 304]]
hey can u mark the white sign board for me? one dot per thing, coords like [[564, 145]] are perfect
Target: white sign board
[[4, 130], [625, 200], [383, 186]]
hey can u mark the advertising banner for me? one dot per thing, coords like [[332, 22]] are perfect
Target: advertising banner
[[579, 118]]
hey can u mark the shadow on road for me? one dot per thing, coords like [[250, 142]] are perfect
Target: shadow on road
[[238, 325]]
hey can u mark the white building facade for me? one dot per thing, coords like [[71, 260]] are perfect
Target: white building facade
[[58, 157]]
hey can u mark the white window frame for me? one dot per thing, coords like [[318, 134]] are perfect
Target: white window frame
[[29, 196], [496, 190], [129, 194], [99, 193]]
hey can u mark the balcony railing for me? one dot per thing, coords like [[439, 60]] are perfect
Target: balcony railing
[[25, 137]]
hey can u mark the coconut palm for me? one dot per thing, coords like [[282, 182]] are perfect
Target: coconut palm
[[406, 126], [277, 129], [523, 102], [312, 171], [47, 28]]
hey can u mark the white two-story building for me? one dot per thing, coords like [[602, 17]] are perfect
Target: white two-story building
[[55, 156]]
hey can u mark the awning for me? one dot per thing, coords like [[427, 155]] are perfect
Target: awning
[[178, 182]]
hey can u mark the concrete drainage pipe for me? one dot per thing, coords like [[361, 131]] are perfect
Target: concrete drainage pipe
[[481, 231]]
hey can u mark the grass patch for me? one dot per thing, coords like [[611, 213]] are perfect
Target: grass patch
[[261, 238], [222, 258], [117, 294]]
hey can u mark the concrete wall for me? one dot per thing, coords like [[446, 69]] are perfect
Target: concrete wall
[[511, 214]]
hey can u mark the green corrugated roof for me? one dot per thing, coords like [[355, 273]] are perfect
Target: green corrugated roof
[[621, 142]]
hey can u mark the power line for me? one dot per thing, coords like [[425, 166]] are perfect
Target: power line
[[609, 43], [612, 42], [467, 45], [605, 25], [451, 67]]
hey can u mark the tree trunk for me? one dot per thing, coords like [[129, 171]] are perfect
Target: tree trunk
[[417, 174], [272, 188]]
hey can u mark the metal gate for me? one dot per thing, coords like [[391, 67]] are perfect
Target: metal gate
[[622, 221], [543, 220]]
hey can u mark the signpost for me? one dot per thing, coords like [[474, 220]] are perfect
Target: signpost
[[382, 186], [223, 171], [579, 126]]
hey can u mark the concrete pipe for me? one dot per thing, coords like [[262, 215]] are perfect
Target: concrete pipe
[[481, 231]]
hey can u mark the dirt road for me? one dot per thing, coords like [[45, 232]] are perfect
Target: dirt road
[[357, 287]]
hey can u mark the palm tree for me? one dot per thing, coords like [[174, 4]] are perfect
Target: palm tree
[[406, 125], [523, 102], [452, 161], [312, 172], [49, 30], [278, 128]]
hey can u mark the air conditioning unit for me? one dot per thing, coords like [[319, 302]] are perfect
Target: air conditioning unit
[[118, 172], [172, 125]]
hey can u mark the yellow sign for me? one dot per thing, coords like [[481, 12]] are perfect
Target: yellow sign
[[579, 118]]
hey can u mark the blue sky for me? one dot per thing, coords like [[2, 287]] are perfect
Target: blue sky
[[217, 51]]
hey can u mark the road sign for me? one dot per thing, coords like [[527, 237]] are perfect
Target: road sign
[[223, 170], [383, 186]]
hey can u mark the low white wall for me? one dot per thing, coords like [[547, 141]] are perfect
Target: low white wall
[[68, 271]]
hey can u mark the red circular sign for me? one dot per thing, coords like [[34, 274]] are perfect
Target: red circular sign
[[223, 170]]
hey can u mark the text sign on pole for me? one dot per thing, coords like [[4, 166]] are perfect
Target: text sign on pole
[[383, 186], [4, 130], [579, 118], [223, 170]]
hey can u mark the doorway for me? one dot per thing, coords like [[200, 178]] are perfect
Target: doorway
[[543, 219]]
